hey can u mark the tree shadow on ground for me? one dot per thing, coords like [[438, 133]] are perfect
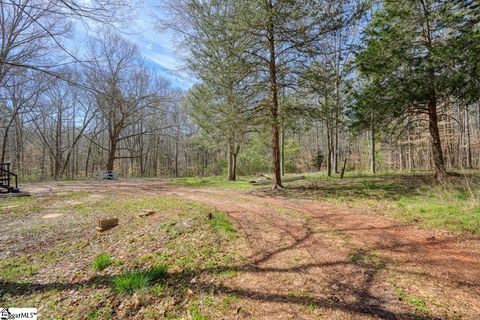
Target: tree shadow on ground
[[378, 187], [361, 301]]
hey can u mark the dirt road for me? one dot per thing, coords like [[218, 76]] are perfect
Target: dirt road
[[345, 264]]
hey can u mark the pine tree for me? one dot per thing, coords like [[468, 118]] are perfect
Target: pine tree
[[408, 64]]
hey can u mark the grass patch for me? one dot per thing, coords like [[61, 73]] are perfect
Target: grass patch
[[102, 313], [372, 259], [213, 182], [102, 261], [196, 314], [17, 268], [410, 197], [417, 303], [221, 223], [133, 281], [452, 210]]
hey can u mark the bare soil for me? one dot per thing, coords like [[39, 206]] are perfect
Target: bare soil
[[309, 260]]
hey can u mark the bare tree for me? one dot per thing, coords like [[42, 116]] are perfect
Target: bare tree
[[126, 92]]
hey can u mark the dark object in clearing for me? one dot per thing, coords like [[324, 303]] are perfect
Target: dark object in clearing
[[147, 213], [106, 223], [260, 182], [108, 175], [7, 178]]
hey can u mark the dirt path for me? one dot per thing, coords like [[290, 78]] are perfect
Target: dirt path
[[307, 260]]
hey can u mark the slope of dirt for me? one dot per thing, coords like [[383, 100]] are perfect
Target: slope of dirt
[[309, 260]]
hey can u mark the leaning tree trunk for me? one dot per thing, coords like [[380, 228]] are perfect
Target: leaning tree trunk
[[4, 144], [5, 137], [437, 153]]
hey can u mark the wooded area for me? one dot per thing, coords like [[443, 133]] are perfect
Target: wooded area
[[282, 87], [240, 159]]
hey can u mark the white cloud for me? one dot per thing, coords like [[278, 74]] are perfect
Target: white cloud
[[157, 47]]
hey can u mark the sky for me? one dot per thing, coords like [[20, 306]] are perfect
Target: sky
[[159, 48]]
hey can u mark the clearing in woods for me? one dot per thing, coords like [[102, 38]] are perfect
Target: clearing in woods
[[262, 255]]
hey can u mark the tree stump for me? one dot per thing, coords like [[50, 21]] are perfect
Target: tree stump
[[106, 223]]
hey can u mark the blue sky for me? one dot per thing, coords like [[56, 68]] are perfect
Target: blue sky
[[159, 48]]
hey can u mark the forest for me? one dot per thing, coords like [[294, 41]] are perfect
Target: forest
[[240, 159], [383, 86]]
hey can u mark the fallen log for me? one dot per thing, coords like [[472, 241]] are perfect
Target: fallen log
[[147, 213], [261, 182]]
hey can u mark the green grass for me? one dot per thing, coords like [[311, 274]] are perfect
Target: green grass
[[180, 236], [103, 313], [371, 259], [17, 268], [196, 314], [418, 303], [409, 197], [114, 204], [453, 210], [130, 282], [213, 182], [133, 281], [222, 224], [102, 261]]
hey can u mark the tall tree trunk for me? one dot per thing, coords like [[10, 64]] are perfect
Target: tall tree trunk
[[329, 152], [277, 171], [58, 145], [373, 165], [410, 156], [111, 153], [234, 163], [19, 154], [282, 158], [317, 139], [231, 159], [336, 152], [402, 158], [89, 152], [469, 140], [176, 155], [437, 153]]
